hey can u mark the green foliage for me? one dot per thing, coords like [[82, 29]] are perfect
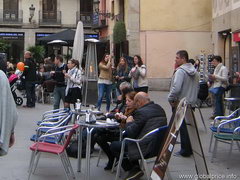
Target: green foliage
[[119, 32], [38, 53], [4, 46]]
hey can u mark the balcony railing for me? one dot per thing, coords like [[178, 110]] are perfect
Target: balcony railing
[[50, 18], [86, 18], [14, 17], [99, 21]]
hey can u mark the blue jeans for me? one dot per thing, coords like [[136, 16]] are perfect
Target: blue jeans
[[104, 88], [219, 102], [58, 93]]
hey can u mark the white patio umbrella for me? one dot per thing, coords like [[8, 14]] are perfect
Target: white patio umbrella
[[78, 43]]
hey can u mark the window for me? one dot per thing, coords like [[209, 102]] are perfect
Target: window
[[10, 5], [86, 6], [10, 10], [49, 9]]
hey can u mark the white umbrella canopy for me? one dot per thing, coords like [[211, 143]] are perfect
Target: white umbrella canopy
[[78, 43]]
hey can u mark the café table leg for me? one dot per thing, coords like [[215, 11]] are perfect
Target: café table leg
[[79, 148], [88, 152]]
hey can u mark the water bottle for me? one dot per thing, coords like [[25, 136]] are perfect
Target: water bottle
[[78, 105]]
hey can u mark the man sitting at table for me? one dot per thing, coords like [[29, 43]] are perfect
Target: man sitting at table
[[147, 117]]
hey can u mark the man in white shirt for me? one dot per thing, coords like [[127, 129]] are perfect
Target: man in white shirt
[[220, 82]]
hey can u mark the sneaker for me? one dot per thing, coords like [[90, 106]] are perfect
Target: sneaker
[[134, 174]]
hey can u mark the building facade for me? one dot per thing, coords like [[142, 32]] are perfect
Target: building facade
[[226, 32], [22, 22], [156, 33], [169, 26]]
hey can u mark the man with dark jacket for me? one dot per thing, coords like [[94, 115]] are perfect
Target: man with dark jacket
[[58, 76], [30, 79], [147, 117]]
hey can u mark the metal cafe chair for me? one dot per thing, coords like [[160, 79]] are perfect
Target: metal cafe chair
[[160, 130], [228, 138], [58, 149], [225, 129], [46, 126]]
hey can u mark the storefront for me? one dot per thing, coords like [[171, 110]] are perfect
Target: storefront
[[16, 42]]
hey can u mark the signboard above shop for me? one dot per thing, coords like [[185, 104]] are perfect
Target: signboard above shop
[[12, 35]]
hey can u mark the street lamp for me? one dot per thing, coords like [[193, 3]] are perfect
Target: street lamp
[[31, 11]]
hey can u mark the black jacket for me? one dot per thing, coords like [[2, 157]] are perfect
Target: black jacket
[[146, 119], [30, 70], [59, 77]]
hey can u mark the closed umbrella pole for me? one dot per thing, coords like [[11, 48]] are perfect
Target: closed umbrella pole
[[78, 43]]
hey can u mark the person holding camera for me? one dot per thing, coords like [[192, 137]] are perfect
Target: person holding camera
[[105, 81], [138, 75]]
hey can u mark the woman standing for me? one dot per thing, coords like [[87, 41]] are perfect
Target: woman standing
[[74, 83], [122, 73], [105, 81], [138, 75]]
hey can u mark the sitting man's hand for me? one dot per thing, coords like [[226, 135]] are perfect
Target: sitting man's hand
[[129, 119]]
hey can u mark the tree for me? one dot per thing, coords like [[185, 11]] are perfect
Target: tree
[[4, 46], [119, 36], [119, 32], [38, 53]]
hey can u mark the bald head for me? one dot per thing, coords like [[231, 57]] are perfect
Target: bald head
[[141, 99]]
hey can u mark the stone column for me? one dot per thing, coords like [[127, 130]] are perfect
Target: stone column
[[133, 26]]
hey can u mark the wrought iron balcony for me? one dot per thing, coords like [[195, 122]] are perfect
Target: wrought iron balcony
[[11, 17], [86, 18], [99, 21], [50, 18]]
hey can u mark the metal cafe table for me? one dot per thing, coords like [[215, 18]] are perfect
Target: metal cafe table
[[229, 101], [89, 127]]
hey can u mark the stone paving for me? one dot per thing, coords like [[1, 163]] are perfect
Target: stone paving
[[14, 166]]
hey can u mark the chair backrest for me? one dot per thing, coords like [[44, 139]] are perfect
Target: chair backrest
[[61, 131]]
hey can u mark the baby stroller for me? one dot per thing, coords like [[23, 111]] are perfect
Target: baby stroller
[[203, 96], [14, 80]]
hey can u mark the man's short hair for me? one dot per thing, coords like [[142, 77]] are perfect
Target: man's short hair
[[218, 58], [60, 58], [183, 54]]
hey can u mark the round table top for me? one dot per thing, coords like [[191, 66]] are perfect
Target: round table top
[[99, 124], [232, 99]]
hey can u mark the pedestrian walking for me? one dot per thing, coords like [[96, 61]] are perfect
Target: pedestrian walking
[[185, 83]]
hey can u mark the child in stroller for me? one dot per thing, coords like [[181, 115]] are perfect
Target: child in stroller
[[203, 96], [14, 80]]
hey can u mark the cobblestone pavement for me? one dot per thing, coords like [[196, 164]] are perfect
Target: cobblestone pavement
[[14, 166]]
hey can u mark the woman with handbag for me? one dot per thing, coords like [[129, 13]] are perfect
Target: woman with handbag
[[74, 83], [138, 75]]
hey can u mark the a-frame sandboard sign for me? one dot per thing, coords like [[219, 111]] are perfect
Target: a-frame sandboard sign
[[183, 111]]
